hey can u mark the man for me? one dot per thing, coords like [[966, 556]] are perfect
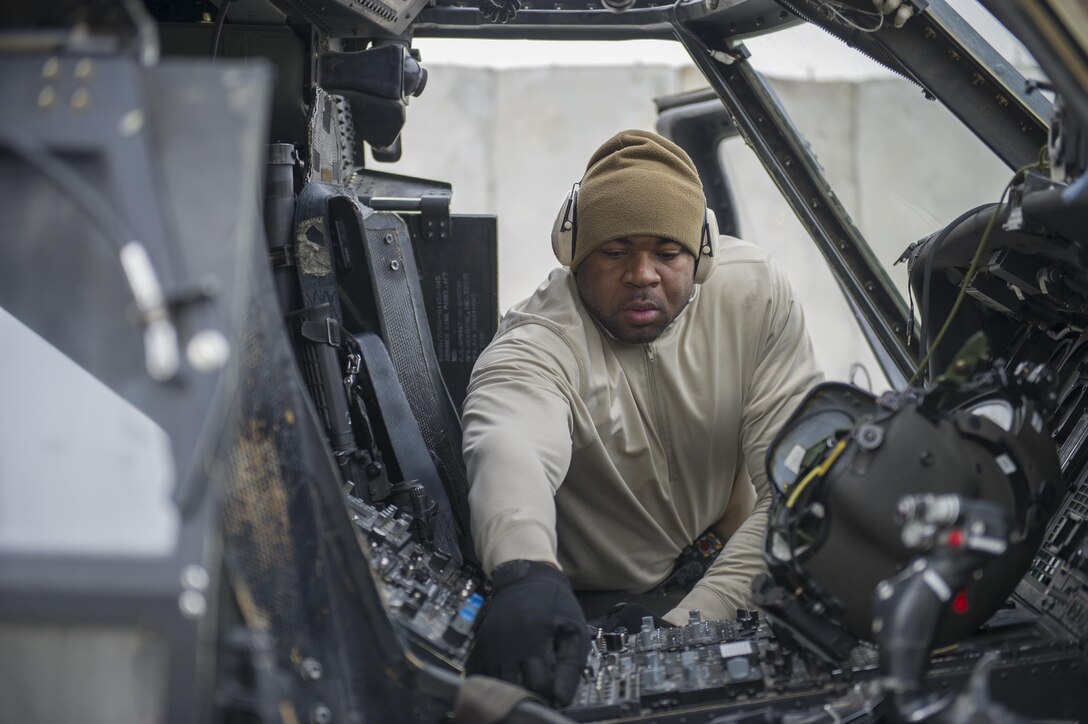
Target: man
[[620, 410]]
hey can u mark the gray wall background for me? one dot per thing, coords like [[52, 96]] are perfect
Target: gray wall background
[[511, 141]]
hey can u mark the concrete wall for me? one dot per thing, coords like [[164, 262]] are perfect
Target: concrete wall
[[901, 166], [512, 141]]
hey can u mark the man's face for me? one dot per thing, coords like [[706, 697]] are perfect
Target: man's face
[[636, 286]]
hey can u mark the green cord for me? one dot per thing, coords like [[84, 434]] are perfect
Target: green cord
[[973, 268]]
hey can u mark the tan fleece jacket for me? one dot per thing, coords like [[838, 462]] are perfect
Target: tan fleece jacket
[[607, 458]]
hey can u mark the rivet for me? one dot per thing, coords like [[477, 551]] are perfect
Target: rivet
[[394, 265], [192, 604], [311, 669], [51, 69], [208, 350], [47, 97], [131, 123], [194, 577], [388, 239], [81, 99], [84, 69]]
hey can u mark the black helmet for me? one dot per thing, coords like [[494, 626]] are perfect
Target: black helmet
[[845, 460]]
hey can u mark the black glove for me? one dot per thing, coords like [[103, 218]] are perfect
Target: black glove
[[533, 633], [629, 616]]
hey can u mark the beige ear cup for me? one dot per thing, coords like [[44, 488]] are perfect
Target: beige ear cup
[[565, 228], [707, 260]]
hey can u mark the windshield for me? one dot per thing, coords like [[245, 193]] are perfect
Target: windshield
[[900, 164]]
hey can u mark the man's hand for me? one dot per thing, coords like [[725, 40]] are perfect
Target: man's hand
[[534, 633]]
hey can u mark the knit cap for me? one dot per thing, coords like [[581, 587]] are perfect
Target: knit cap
[[639, 184]]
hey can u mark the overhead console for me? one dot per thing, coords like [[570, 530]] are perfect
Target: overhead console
[[355, 18]]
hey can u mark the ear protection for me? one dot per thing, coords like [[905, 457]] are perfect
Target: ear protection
[[565, 237]]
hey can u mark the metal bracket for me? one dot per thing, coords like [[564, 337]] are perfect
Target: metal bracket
[[435, 212]]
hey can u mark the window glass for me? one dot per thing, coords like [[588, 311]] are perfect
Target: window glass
[[766, 220], [902, 166], [82, 471]]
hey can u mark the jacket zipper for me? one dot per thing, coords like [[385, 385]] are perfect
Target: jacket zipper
[[659, 415]]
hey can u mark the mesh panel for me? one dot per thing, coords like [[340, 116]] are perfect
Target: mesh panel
[[258, 525], [293, 554]]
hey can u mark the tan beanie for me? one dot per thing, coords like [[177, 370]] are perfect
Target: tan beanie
[[639, 184]]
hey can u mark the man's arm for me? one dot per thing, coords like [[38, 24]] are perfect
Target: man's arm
[[517, 445], [785, 370]]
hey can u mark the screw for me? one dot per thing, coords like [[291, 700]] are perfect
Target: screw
[[192, 604], [320, 714], [926, 458], [311, 669], [194, 577], [51, 69], [884, 590], [131, 123], [208, 350], [81, 99], [47, 97], [84, 69]]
